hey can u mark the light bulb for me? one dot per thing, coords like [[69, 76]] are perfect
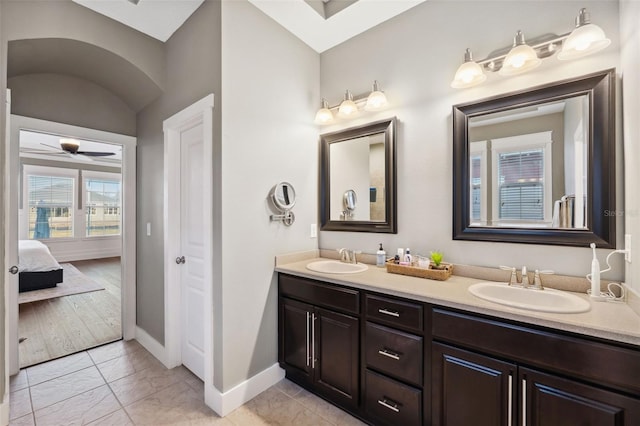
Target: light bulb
[[521, 58], [376, 99], [584, 40], [347, 107], [469, 74], [324, 114]]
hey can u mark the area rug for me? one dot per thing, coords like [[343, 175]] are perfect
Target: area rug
[[74, 282]]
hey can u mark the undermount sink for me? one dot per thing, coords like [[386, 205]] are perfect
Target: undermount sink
[[336, 267], [547, 300]]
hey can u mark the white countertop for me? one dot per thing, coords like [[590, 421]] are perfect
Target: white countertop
[[608, 320]]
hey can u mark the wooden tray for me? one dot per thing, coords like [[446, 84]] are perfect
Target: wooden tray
[[415, 271]]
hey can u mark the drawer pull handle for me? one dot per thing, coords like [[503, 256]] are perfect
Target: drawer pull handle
[[390, 313], [388, 353], [389, 404]]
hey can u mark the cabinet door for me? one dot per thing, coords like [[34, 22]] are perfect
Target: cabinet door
[[336, 354], [552, 401], [295, 337], [471, 389]]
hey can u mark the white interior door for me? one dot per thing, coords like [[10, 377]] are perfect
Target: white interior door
[[12, 186], [192, 241]]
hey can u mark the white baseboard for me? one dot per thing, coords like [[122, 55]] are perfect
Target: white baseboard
[[225, 403], [4, 410], [153, 346]]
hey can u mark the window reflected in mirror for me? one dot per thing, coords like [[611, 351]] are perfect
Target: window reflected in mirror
[[528, 166]]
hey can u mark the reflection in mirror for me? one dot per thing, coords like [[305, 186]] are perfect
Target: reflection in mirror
[[538, 166], [349, 201], [528, 166], [284, 196], [357, 165]]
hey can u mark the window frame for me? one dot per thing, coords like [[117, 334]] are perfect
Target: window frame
[[98, 175], [511, 144], [48, 171]]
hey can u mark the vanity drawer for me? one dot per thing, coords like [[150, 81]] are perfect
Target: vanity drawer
[[394, 352], [320, 294], [394, 312], [390, 402], [542, 348]]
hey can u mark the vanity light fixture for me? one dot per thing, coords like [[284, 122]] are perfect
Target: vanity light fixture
[[584, 40], [350, 106], [347, 107], [324, 114], [521, 58], [469, 73], [376, 99]]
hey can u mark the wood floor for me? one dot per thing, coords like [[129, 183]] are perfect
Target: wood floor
[[69, 324]]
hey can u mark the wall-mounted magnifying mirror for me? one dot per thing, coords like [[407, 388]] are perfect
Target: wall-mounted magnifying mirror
[[537, 166], [283, 198], [349, 200], [355, 162]]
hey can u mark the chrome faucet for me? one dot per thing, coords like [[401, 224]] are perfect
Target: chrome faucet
[[524, 277], [524, 282], [537, 282], [348, 256]]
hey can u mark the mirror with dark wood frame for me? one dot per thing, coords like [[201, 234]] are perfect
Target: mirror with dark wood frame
[[358, 179], [538, 166]]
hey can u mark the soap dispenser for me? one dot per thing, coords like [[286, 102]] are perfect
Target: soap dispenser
[[381, 257]]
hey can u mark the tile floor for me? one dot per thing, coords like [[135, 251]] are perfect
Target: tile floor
[[122, 384]]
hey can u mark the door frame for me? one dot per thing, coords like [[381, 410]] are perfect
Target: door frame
[[128, 255], [201, 112]]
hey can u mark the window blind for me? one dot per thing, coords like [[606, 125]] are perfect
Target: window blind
[[103, 207], [50, 203], [521, 185]]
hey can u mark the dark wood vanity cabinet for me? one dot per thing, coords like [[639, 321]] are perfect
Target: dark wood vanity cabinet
[[394, 361], [487, 372], [393, 358], [471, 389], [319, 346]]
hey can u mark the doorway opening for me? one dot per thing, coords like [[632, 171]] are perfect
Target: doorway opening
[[71, 227]]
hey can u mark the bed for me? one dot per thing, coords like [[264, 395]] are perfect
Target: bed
[[38, 268]]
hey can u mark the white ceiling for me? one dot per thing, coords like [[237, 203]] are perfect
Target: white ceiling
[[156, 18], [161, 18], [323, 34]]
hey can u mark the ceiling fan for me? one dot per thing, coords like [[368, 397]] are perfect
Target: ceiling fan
[[69, 147]]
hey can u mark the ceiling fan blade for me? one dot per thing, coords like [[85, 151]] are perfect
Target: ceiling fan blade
[[41, 152], [52, 147], [96, 153]]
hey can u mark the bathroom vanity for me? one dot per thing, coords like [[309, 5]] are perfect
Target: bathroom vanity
[[397, 350]]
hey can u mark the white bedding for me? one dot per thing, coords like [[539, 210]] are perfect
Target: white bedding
[[34, 256]]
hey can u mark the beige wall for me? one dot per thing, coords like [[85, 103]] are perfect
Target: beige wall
[[192, 72], [630, 64], [71, 100], [414, 56], [271, 93]]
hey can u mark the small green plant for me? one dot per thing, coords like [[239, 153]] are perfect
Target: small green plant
[[436, 257]]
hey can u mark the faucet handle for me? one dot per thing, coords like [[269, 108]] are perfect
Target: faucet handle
[[513, 280], [537, 282]]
